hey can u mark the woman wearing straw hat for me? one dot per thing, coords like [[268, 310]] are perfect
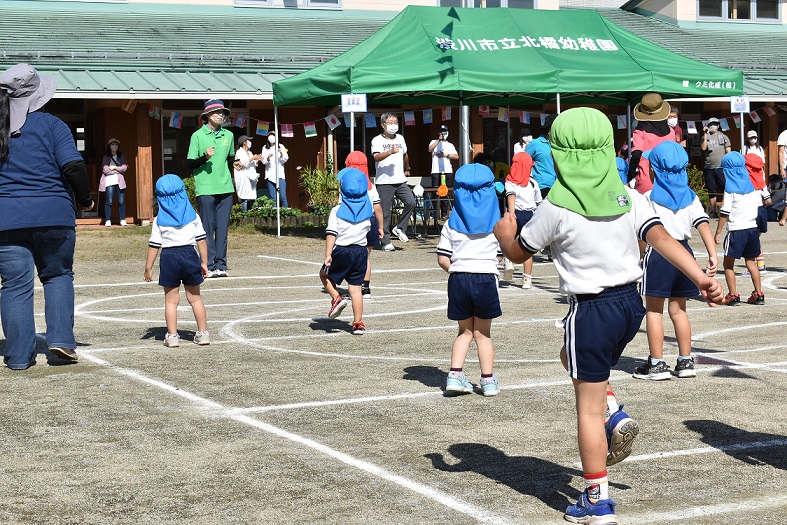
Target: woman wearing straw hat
[[652, 129], [39, 165]]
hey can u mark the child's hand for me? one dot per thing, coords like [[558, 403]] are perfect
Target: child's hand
[[204, 269], [327, 261], [711, 291], [781, 222], [148, 275], [505, 229], [717, 238], [712, 266], [381, 232]]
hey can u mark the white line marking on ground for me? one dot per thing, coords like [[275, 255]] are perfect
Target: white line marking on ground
[[717, 508], [482, 515], [708, 450]]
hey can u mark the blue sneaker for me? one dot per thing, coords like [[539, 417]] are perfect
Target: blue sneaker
[[583, 511], [621, 431], [490, 386], [458, 384]]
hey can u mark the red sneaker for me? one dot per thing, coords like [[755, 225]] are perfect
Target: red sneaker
[[732, 299], [359, 328], [756, 298], [337, 305]]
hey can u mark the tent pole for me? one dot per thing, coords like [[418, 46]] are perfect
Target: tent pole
[[628, 128], [352, 131], [742, 138], [276, 168], [557, 100], [508, 130], [464, 133]]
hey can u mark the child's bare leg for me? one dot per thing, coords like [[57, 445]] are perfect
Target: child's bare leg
[[654, 324], [327, 282], [751, 265], [462, 343], [171, 300], [527, 266], [591, 404], [195, 300], [357, 302], [680, 320], [564, 357], [483, 340], [368, 276], [729, 274]]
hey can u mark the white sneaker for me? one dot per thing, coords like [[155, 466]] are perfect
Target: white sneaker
[[212, 274], [108, 223], [399, 233], [221, 273], [172, 340], [202, 338], [527, 282], [389, 247], [123, 223], [508, 270]]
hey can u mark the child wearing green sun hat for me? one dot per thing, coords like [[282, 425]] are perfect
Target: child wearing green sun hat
[[592, 223]]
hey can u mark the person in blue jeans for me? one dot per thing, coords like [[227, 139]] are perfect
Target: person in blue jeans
[[39, 163], [113, 166]]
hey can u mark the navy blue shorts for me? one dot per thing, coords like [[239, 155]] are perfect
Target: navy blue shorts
[[598, 328], [373, 237], [348, 263], [179, 264], [522, 218], [742, 243], [473, 295], [661, 279]]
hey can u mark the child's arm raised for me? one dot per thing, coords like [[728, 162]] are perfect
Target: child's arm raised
[[152, 253], [710, 245], [677, 255], [202, 248], [505, 231]]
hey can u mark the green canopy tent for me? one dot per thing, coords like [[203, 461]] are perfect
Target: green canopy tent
[[441, 55]]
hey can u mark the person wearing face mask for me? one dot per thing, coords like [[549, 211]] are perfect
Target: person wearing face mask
[[246, 177], [272, 170], [672, 121], [715, 145], [113, 182], [211, 150], [525, 137], [392, 167], [443, 152], [752, 145]]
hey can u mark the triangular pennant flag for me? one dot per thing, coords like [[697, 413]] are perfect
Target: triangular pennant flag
[[154, 112], [783, 108], [502, 114], [409, 118], [310, 128], [427, 116], [704, 123], [543, 119], [755, 117], [332, 121], [737, 120], [621, 121], [483, 111], [524, 117], [370, 120], [262, 127], [446, 113], [240, 121], [725, 126], [286, 130], [130, 106], [175, 120], [691, 127], [347, 120], [769, 111]]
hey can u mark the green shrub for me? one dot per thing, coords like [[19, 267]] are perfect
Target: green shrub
[[322, 188], [263, 207], [697, 183]]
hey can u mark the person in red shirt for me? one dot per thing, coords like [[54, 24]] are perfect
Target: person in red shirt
[[672, 121]]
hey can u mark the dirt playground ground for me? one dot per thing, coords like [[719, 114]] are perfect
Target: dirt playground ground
[[287, 418]]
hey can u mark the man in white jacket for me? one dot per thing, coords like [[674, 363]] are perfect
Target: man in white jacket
[[245, 173], [272, 170]]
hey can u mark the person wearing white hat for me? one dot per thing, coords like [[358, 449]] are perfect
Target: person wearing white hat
[[714, 145], [443, 152], [752, 145], [39, 169]]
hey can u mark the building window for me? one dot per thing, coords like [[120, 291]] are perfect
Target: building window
[[518, 4], [756, 10]]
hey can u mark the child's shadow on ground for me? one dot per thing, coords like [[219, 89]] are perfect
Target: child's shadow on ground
[[754, 448], [547, 481], [430, 376], [330, 326], [158, 333]]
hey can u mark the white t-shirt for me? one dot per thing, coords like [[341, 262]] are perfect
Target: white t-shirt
[[246, 178], [679, 223], [469, 253], [527, 197], [519, 147], [757, 150], [591, 254], [171, 236], [374, 196], [741, 209], [390, 170], [782, 141], [270, 172], [442, 164], [347, 233]]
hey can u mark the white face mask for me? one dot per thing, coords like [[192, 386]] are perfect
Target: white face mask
[[272, 139], [527, 138], [713, 128], [392, 128], [753, 140], [672, 122], [248, 144], [444, 135]]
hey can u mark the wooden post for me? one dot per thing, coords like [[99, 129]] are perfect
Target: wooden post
[[144, 167]]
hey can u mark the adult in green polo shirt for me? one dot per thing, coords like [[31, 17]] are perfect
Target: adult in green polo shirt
[[211, 149]]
